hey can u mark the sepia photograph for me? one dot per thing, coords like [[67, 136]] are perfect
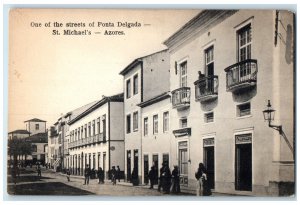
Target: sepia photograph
[[151, 102]]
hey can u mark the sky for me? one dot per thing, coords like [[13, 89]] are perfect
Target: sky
[[50, 75]]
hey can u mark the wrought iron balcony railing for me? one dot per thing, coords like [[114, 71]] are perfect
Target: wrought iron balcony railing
[[181, 97], [241, 75], [206, 88], [89, 140]]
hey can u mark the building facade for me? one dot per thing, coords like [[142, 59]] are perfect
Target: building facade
[[225, 66], [96, 137], [144, 78], [35, 126], [156, 134]]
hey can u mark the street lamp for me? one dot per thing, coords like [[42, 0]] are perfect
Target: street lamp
[[269, 114]]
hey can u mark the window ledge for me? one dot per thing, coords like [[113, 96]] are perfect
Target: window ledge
[[243, 117]]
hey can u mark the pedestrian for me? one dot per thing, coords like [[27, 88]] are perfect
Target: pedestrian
[[135, 177], [87, 172], [175, 187], [152, 176], [160, 177], [113, 173], [166, 179], [201, 176], [118, 176], [39, 171], [68, 174], [100, 176]]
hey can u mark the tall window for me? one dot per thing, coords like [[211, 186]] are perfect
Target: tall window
[[166, 121], [145, 126], [104, 126], [78, 132], [244, 52], [244, 43], [135, 121], [128, 123], [155, 124], [94, 128], [128, 89], [183, 74], [209, 61], [37, 126], [34, 148], [85, 130], [89, 134], [135, 84], [183, 122], [98, 125]]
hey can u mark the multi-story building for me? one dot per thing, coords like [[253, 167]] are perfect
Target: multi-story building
[[225, 66], [18, 134], [39, 143], [156, 133], [97, 136], [144, 78], [35, 126]]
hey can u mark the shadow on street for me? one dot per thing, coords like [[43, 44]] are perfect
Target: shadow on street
[[27, 179], [50, 188]]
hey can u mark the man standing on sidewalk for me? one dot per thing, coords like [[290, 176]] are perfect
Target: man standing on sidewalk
[[87, 172]]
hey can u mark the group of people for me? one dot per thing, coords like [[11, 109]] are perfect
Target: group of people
[[168, 181]]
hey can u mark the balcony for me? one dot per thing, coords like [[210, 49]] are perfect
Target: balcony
[[181, 97], [206, 88], [97, 138], [241, 75], [187, 131]]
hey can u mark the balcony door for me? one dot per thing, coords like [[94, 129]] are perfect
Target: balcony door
[[209, 68], [183, 162], [244, 51]]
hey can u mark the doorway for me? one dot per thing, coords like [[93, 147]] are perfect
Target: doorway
[[104, 163], [183, 162], [155, 163], [243, 163], [128, 165], [146, 169], [209, 162]]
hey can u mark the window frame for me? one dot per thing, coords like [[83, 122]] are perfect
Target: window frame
[[135, 84], [146, 126], [246, 112], [128, 124], [155, 122], [166, 121], [128, 88], [135, 121]]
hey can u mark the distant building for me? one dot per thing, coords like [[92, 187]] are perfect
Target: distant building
[[35, 126], [96, 137], [39, 142], [18, 134], [144, 78]]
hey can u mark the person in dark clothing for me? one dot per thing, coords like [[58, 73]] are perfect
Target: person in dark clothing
[[100, 175], [113, 173], [175, 180], [118, 176], [135, 177], [160, 177], [39, 171], [166, 179], [202, 185], [152, 176], [87, 172], [68, 174]]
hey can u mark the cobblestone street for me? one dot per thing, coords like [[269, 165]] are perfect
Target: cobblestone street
[[52, 183]]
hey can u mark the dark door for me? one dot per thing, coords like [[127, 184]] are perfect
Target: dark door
[[166, 159], [146, 169], [209, 161], [128, 165], [243, 167], [136, 160], [104, 163], [155, 163]]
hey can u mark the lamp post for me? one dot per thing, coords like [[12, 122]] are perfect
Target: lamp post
[[269, 114]]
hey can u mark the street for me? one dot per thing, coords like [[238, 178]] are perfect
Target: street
[[52, 183]]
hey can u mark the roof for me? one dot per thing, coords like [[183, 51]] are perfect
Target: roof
[[35, 120], [155, 99], [38, 138], [200, 23], [136, 62], [105, 99], [19, 132]]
